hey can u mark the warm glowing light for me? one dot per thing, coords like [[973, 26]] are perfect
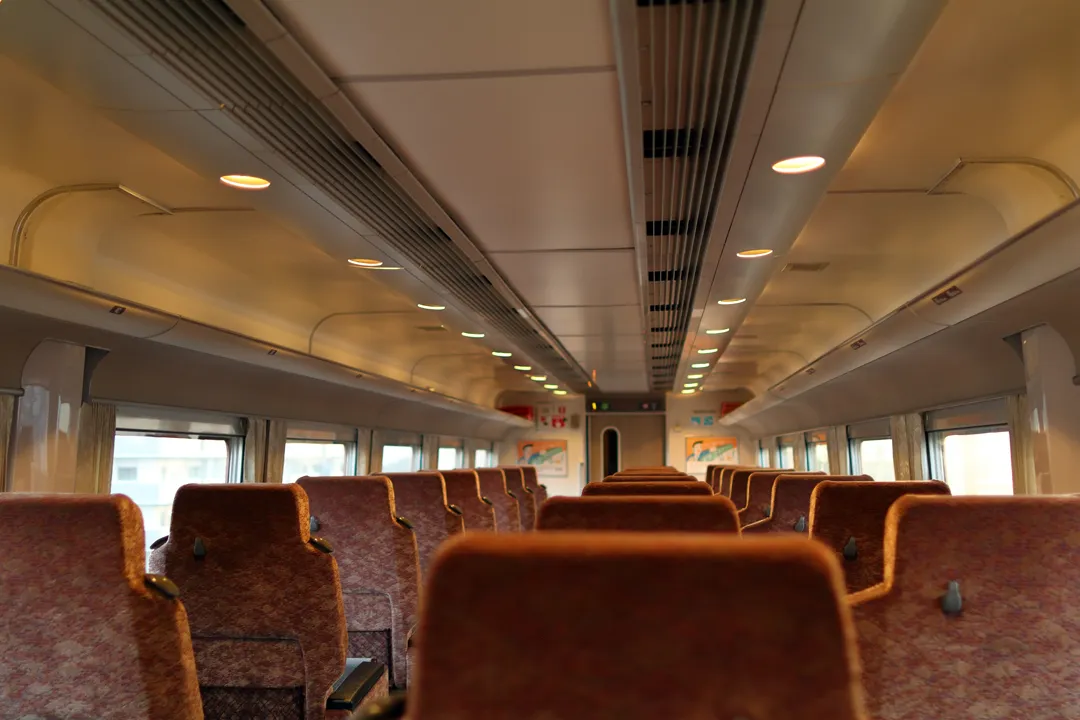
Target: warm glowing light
[[687, 392], [365, 262], [550, 387], [499, 353], [707, 351], [560, 392], [245, 182], [472, 335], [539, 378], [718, 331], [798, 165], [696, 376], [731, 301], [422, 306], [523, 368], [690, 385], [700, 366], [754, 253]]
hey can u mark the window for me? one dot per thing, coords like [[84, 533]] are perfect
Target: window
[[763, 455], [149, 469], [449, 458], [482, 458], [874, 457], [787, 456], [398, 458], [970, 447], [817, 456], [317, 459]]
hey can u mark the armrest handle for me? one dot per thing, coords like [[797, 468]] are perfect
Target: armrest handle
[[354, 684]]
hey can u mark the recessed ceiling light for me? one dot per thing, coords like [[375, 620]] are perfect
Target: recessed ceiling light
[[560, 392], [365, 262], [499, 353], [523, 368], [472, 335], [696, 376], [386, 267], [690, 385], [539, 378], [422, 306], [550, 387], [700, 366], [245, 182], [797, 165], [687, 392], [707, 351], [719, 331], [731, 301], [762, 252]]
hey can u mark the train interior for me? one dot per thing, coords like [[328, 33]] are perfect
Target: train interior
[[348, 349]]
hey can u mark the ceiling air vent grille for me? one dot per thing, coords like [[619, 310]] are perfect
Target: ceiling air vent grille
[[207, 45], [812, 267], [693, 66]]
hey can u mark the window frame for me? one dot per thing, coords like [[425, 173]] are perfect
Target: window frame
[[812, 439], [305, 432]]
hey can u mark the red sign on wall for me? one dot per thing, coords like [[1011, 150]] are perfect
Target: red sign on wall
[[522, 411]]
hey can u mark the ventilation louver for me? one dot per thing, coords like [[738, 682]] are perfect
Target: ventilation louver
[[694, 61], [206, 44]]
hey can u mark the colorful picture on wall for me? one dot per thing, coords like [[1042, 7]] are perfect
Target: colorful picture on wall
[[703, 452], [549, 457]]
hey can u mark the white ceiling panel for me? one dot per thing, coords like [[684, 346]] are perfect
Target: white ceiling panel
[[584, 344], [622, 381], [606, 277], [605, 320], [532, 162], [380, 38]]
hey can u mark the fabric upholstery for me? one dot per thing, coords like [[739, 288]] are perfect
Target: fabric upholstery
[[463, 490], [840, 511], [712, 477], [543, 494], [725, 481], [380, 690], [759, 486], [1011, 652], [641, 513], [507, 510], [689, 487], [791, 502], [81, 636], [656, 470], [522, 627], [515, 481], [421, 498], [260, 580], [642, 477], [377, 558]]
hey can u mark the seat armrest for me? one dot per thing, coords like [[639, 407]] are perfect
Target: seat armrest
[[354, 684]]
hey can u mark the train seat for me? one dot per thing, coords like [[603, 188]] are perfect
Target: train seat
[[759, 487], [655, 470], [502, 613], [532, 481], [725, 480], [504, 501], [515, 481], [378, 562], [850, 516], [680, 487], [420, 497], [642, 513], [976, 616], [643, 477], [264, 602], [83, 632], [463, 491], [542, 494], [712, 477], [790, 506]]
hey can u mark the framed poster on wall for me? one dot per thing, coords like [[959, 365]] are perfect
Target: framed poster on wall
[[703, 452], [549, 457]]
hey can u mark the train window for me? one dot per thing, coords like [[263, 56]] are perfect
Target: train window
[[318, 459], [763, 455], [817, 451], [149, 469], [787, 454], [970, 447], [449, 458], [399, 458], [873, 457], [483, 458]]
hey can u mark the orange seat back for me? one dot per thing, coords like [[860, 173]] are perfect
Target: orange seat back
[[790, 506], [640, 513], [526, 497], [463, 491], [688, 487], [420, 497], [505, 502]]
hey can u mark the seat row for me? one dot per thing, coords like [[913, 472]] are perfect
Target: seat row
[[298, 601]]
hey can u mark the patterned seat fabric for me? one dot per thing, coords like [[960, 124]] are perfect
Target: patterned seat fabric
[[265, 607], [851, 516], [642, 477], [515, 481], [688, 487], [791, 502], [641, 513], [507, 510], [664, 470], [532, 482], [759, 487], [421, 498], [463, 490], [718, 628], [543, 494], [1010, 651], [378, 562], [81, 634], [712, 477], [725, 480]]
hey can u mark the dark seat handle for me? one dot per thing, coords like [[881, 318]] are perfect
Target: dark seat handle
[[455, 509], [486, 501]]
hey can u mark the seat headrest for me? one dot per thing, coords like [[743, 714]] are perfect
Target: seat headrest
[[529, 475], [513, 607], [641, 513], [462, 481], [492, 480], [675, 487], [97, 537], [640, 477], [240, 513], [422, 487], [368, 495]]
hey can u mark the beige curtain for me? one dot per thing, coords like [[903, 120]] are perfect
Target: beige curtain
[[97, 434], [264, 451], [275, 451], [7, 418]]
